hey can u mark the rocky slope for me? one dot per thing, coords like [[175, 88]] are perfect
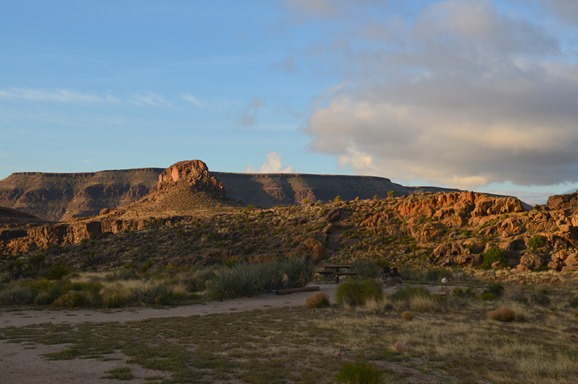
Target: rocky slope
[[65, 196], [187, 218]]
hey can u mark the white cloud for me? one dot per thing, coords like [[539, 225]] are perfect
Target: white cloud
[[461, 95], [250, 114], [56, 96], [192, 100], [150, 99], [67, 96], [272, 165]]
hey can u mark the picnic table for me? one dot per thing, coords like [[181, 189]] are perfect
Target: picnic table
[[336, 270]]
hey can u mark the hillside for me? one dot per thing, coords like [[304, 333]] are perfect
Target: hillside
[[66, 196]]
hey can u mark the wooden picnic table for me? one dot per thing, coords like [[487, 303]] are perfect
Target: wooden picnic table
[[337, 270]]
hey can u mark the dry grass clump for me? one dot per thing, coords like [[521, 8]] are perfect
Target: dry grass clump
[[504, 314], [358, 292], [317, 300], [407, 315]]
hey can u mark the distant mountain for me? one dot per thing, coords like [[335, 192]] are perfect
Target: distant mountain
[[65, 196]]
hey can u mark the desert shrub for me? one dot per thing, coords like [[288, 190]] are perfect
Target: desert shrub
[[496, 288], [123, 274], [436, 274], [367, 269], [429, 303], [504, 314], [154, 294], [491, 256], [57, 271], [488, 296], [317, 300], [358, 292], [230, 283], [81, 294], [407, 316], [463, 293], [17, 294], [198, 281], [532, 296], [358, 373], [116, 297], [537, 242], [407, 293], [49, 290], [296, 272]]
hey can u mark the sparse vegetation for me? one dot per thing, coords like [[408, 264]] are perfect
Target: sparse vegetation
[[358, 373], [471, 342], [492, 256], [317, 300], [358, 292]]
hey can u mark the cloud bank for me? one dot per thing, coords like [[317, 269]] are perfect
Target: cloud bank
[[273, 164], [463, 93]]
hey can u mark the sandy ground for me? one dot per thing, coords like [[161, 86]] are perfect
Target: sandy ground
[[24, 363]]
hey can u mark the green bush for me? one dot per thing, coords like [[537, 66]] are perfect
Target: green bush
[[246, 280], [49, 290], [157, 294], [358, 292], [537, 242], [491, 256], [488, 296], [86, 294], [239, 281], [367, 269], [17, 294], [58, 271], [358, 373], [496, 288], [296, 272]]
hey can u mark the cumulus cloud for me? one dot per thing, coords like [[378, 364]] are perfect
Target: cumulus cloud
[[461, 95], [565, 9], [272, 165]]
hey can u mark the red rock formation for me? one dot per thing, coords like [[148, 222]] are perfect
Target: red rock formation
[[192, 173]]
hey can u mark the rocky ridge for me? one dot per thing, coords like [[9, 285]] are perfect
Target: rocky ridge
[[67, 196], [187, 218]]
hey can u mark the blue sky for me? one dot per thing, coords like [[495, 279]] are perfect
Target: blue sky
[[474, 94]]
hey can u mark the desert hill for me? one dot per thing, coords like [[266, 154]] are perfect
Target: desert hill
[[187, 217], [65, 196], [12, 216]]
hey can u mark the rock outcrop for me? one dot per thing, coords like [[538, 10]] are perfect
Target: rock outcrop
[[193, 174], [568, 201]]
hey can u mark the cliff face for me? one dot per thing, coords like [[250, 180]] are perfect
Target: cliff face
[[66, 196]]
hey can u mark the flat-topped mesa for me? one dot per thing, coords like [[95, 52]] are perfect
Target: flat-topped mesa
[[192, 173]]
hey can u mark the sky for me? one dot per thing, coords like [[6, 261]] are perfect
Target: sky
[[472, 94]]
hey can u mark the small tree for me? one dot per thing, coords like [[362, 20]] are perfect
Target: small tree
[[491, 256]]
